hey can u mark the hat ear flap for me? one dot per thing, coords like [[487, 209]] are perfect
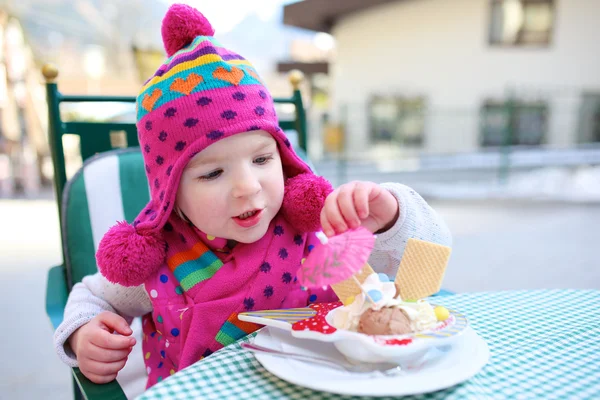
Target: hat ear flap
[[303, 200], [129, 258]]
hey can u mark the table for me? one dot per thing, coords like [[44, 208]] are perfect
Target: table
[[544, 344]]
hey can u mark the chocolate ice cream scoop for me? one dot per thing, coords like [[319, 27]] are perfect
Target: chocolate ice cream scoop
[[386, 321]]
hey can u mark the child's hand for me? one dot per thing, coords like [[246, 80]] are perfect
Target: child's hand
[[359, 203], [101, 355]]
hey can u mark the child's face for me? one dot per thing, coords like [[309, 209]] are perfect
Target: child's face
[[233, 188]]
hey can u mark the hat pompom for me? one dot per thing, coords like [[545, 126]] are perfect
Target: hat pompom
[[303, 201], [128, 258], [181, 25]]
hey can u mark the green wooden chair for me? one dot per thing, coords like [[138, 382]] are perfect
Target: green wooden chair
[[111, 185]]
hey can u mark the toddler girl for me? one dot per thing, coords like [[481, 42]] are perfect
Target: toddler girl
[[232, 214]]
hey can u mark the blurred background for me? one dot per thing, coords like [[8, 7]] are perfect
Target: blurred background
[[488, 108]]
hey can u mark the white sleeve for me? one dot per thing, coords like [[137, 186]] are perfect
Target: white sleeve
[[416, 220], [90, 297]]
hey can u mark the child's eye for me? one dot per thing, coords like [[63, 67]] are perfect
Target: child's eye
[[262, 160], [211, 175]]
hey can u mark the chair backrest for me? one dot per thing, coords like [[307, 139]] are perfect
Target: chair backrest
[[110, 186]]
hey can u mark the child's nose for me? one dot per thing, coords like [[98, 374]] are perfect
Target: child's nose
[[245, 185]]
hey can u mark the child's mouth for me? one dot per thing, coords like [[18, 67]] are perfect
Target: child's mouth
[[248, 219], [247, 214]]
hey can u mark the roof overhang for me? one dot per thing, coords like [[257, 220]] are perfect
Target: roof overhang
[[321, 15]]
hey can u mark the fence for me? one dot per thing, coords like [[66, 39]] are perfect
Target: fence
[[387, 136]]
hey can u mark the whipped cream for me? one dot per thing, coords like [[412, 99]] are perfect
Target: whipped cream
[[383, 294]]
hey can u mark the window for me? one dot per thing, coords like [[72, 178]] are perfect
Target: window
[[397, 119], [528, 122], [589, 118], [521, 22]]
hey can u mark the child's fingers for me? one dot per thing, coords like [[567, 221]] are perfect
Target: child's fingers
[[101, 372], [105, 368], [347, 207], [114, 322], [107, 355], [331, 218], [325, 225], [361, 199], [107, 340]]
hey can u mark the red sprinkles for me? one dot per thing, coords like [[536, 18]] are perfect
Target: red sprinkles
[[317, 322], [393, 342], [445, 323]]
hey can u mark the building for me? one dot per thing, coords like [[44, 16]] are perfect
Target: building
[[439, 76], [97, 48]]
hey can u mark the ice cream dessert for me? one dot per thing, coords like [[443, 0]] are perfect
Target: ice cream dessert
[[377, 310]]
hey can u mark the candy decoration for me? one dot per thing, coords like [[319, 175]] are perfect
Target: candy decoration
[[349, 300], [375, 295], [441, 313]]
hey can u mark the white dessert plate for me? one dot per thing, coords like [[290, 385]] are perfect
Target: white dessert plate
[[316, 322], [441, 368]]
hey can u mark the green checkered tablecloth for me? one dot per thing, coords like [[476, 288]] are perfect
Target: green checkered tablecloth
[[544, 344]]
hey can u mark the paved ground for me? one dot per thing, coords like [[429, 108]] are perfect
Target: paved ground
[[29, 245], [497, 246]]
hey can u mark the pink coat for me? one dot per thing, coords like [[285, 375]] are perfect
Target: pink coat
[[197, 295]]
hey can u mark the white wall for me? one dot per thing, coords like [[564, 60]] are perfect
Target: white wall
[[439, 49]]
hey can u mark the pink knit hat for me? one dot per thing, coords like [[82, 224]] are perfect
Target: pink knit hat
[[200, 95]]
